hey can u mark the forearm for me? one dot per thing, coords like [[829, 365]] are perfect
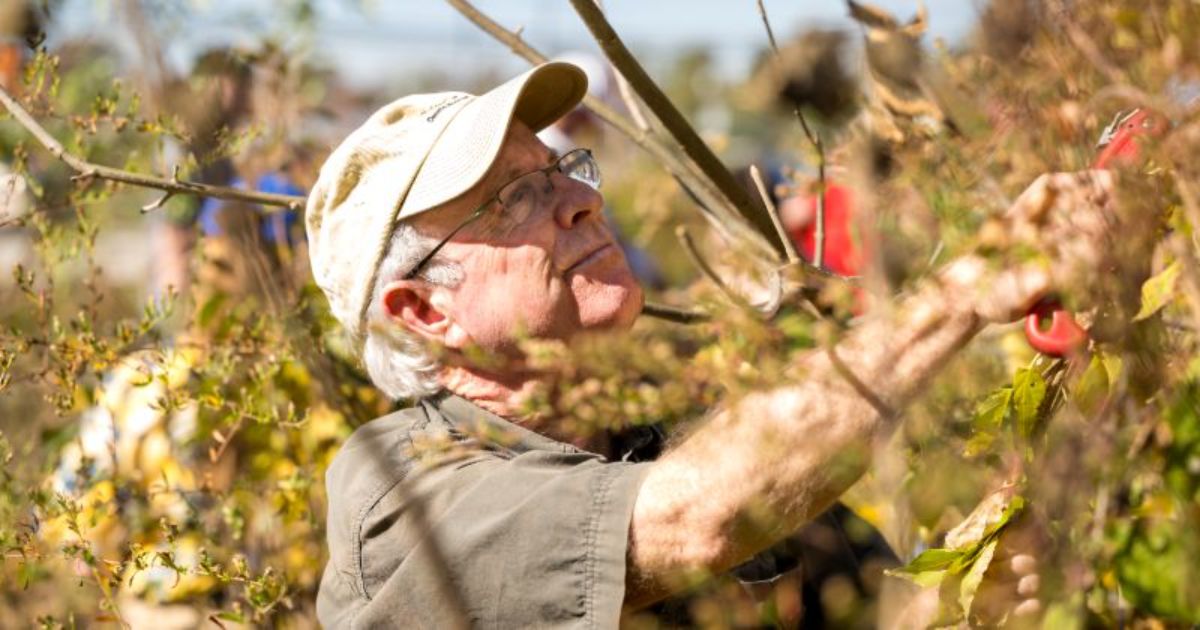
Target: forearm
[[775, 459]]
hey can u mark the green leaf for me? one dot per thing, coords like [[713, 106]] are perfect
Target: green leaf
[[928, 568], [1029, 390], [209, 309], [990, 413], [1093, 386], [924, 579], [1113, 365], [1015, 505], [970, 582], [1158, 290], [989, 418]]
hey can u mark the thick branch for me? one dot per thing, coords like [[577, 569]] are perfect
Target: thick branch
[[87, 169], [693, 182], [672, 119]]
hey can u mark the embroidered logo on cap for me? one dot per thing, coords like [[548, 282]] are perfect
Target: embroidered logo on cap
[[439, 107]]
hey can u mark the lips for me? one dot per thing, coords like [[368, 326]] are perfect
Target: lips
[[591, 256]]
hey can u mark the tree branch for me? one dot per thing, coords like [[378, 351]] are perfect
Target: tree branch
[[722, 216], [813, 138], [882, 408], [87, 170], [788, 246], [693, 253], [673, 120], [673, 314]]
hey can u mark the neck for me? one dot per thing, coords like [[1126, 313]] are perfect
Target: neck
[[502, 394], [506, 394]]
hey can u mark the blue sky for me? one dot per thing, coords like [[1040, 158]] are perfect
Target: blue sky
[[376, 41]]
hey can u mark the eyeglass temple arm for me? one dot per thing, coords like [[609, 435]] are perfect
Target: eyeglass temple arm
[[412, 273]]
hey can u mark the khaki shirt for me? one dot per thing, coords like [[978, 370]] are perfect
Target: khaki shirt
[[446, 506]]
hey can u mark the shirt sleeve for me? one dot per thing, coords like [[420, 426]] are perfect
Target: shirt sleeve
[[538, 539]]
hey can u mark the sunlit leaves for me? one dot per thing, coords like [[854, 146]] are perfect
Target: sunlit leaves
[[1028, 394], [958, 569], [1158, 291]]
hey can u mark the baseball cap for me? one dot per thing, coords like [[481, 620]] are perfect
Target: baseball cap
[[409, 157]]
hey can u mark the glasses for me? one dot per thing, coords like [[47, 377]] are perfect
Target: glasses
[[517, 199]]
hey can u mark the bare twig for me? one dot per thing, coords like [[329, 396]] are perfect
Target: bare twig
[[788, 247], [819, 237], [158, 203], [813, 138], [86, 170], [671, 118], [673, 314], [1086, 45], [727, 223], [631, 102], [724, 218], [844, 371], [627, 96], [693, 252]]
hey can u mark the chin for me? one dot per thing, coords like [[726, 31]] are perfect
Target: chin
[[612, 306]]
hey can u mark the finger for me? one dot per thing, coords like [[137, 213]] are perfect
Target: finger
[[1029, 585], [1027, 607], [1035, 200], [1012, 293], [1023, 564]]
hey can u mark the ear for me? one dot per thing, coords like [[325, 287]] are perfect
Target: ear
[[425, 311], [408, 302]]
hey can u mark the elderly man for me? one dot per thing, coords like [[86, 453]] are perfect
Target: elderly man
[[443, 225]]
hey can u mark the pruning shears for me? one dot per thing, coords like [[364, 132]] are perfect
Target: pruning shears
[[1050, 328]]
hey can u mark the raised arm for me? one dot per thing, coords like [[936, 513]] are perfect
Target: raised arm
[[772, 460]]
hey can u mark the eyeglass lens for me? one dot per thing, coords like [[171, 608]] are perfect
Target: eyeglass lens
[[521, 195]]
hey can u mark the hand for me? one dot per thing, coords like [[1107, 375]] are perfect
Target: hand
[[1011, 585], [1069, 217]]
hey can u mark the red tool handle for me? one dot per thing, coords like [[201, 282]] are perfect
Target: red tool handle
[[1064, 335]]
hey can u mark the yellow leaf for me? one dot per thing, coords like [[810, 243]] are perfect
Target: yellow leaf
[[1158, 290]]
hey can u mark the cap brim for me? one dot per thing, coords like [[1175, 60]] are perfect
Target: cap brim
[[468, 146]]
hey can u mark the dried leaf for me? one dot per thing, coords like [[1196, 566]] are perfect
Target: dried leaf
[[970, 582], [992, 513]]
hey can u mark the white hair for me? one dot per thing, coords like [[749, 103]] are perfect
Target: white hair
[[399, 362]]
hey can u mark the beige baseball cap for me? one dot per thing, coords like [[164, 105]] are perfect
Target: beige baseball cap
[[409, 157]]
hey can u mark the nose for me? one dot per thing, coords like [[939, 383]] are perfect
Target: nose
[[578, 202]]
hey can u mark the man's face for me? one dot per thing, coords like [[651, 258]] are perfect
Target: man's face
[[555, 274]]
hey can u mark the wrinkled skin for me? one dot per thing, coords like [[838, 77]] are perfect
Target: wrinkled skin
[[556, 274]]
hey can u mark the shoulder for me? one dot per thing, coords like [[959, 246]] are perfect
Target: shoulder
[[372, 461], [376, 455]]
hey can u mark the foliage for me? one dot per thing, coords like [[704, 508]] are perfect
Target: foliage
[[249, 392]]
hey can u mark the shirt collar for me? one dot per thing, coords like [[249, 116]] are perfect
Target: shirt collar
[[490, 428]]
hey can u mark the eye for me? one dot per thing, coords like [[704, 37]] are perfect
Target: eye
[[521, 191]]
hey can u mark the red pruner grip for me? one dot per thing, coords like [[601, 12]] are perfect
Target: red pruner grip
[[1119, 142], [1061, 338], [1118, 145]]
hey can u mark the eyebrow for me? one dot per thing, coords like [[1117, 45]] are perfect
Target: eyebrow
[[514, 172]]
